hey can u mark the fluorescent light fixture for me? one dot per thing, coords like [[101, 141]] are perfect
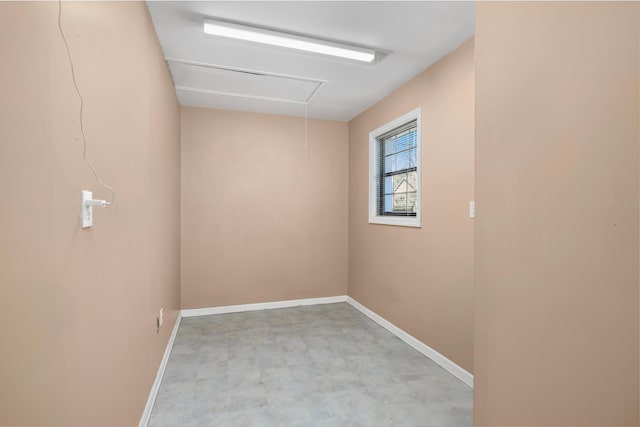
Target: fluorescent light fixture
[[274, 38]]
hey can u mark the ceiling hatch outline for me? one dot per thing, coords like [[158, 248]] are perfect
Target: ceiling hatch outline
[[245, 73]]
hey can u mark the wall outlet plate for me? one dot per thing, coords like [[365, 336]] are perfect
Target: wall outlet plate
[[86, 211], [472, 209]]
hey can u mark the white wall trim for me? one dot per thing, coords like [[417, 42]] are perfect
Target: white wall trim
[[146, 414], [457, 371], [261, 306]]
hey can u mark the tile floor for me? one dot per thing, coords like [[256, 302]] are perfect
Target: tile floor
[[323, 365]]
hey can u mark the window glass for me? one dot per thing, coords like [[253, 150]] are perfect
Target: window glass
[[397, 190]]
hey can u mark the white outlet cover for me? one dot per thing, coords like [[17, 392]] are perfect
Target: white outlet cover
[[472, 209]]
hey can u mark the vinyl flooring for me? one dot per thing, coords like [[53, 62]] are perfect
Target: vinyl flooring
[[322, 365]]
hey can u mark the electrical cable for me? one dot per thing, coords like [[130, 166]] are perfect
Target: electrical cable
[[75, 84]]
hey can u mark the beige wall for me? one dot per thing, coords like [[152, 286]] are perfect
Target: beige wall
[[426, 288], [261, 219], [556, 339], [78, 329]]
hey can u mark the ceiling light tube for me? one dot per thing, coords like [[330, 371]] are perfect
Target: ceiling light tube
[[274, 38]]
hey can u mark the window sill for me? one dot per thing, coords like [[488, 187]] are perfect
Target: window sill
[[400, 221]]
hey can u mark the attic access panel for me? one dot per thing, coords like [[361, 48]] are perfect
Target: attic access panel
[[219, 80]]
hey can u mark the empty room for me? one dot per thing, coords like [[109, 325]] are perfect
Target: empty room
[[319, 213]]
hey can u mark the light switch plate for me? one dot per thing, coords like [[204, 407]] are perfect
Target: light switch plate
[[86, 211], [472, 209]]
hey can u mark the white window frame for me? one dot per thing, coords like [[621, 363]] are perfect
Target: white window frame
[[374, 218]]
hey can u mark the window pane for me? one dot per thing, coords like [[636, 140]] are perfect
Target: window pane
[[411, 202], [390, 164], [400, 183], [400, 202], [400, 161], [402, 142], [412, 180], [413, 158], [388, 184], [406, 141], [389, 147], [388, 203]]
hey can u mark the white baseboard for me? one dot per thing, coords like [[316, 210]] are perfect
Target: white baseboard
[[261, 306], [457, 371], [156, 384]]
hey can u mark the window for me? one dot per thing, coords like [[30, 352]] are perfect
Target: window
[[394, 172]]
